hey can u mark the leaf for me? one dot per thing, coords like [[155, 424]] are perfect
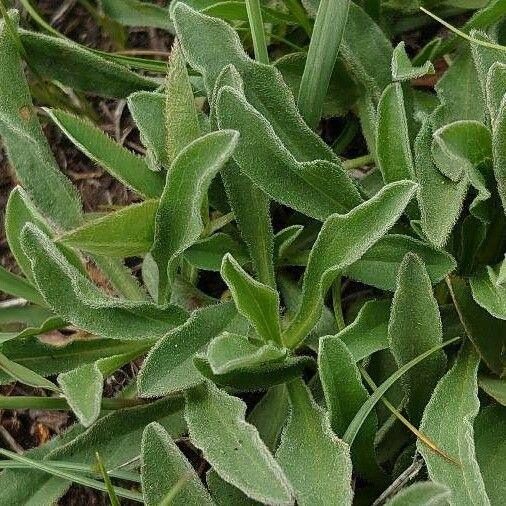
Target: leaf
[[380, 264], [316, 189], [321, 57], [394, 158], [488, 334], [147, 110], [182, 124], [19, 287], [136, 13], [496, 80], [448, 421], [113, 498], [403, 69], [228, 352], [415, 327], [488, 292], [82, 387], [210, 44], [178, 223], [495, 387], [34, 487], [421, 494], [77, 300], [499, 151], [26, 146], [24, 375], [344, 394], [169, 368], [124, 233], [489, 437], [80, 68], [232, 446], [257, 302], [161, 457], [361, 227], [369, 331], [207, 254], [325, 476], [225, 494], [123, 164]]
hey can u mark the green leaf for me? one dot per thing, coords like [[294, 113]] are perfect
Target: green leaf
[[82, 387], [495, 387], [80, 68], [488, 292], [147, 110], [369, 331], [232, 446], [403, 69], [228, 352], [316, 189], [394, 158], [344, 394], [123, 164], [490, 437], [182, 124], [380, 264], [77, 300], [415, 327], [315, 461], [421, 494], [487, 333], [207, 254], [169, 367], [24, 375], [161, 457], [19, 287], [136, 13], [178, 222], [26, 146], [124, 233], [322, 54], [448, 421], [257, 302], [499, 151], [362, 227], [111, 492], [225, 494], [496, 81]]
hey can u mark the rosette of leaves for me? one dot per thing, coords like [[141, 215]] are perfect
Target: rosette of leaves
[[309, 333]]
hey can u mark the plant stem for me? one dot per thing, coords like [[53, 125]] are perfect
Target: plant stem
[[357, 163], [257, 31], [60, 403], [336, 301]]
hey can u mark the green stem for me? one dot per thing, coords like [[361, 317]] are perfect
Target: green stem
[[220, 222], [336, 301], [357, 163], [257, 31], [60, 403]]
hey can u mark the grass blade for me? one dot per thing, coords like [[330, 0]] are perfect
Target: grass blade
[[257, 30]]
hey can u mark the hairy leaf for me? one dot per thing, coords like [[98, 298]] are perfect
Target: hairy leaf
[[494, 387], [421, 494], [403, 69], [136, 13]]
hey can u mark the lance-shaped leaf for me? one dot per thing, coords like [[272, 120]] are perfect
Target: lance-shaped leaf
[[488, 292], [17, 286], [225, 494], [210, 44], [147, 110], [178, 222], [182, 123], [257, 302], [78, 301], [487, 333], [344, 394], [490, 442], [499, 151], [169, 367], [415, 327], [394, 158], [317, 188], [369, 331], [380, 264], [160, 456], [440, 199], [137, 13], [343, 239], [448, 421], [403, 69], [316, 462], [83, 386], [81, 68], [495, 387], [228, 352], [421, 494], [232, 446], [122, 163], [494, 88], [26, 145], [124, 233]]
